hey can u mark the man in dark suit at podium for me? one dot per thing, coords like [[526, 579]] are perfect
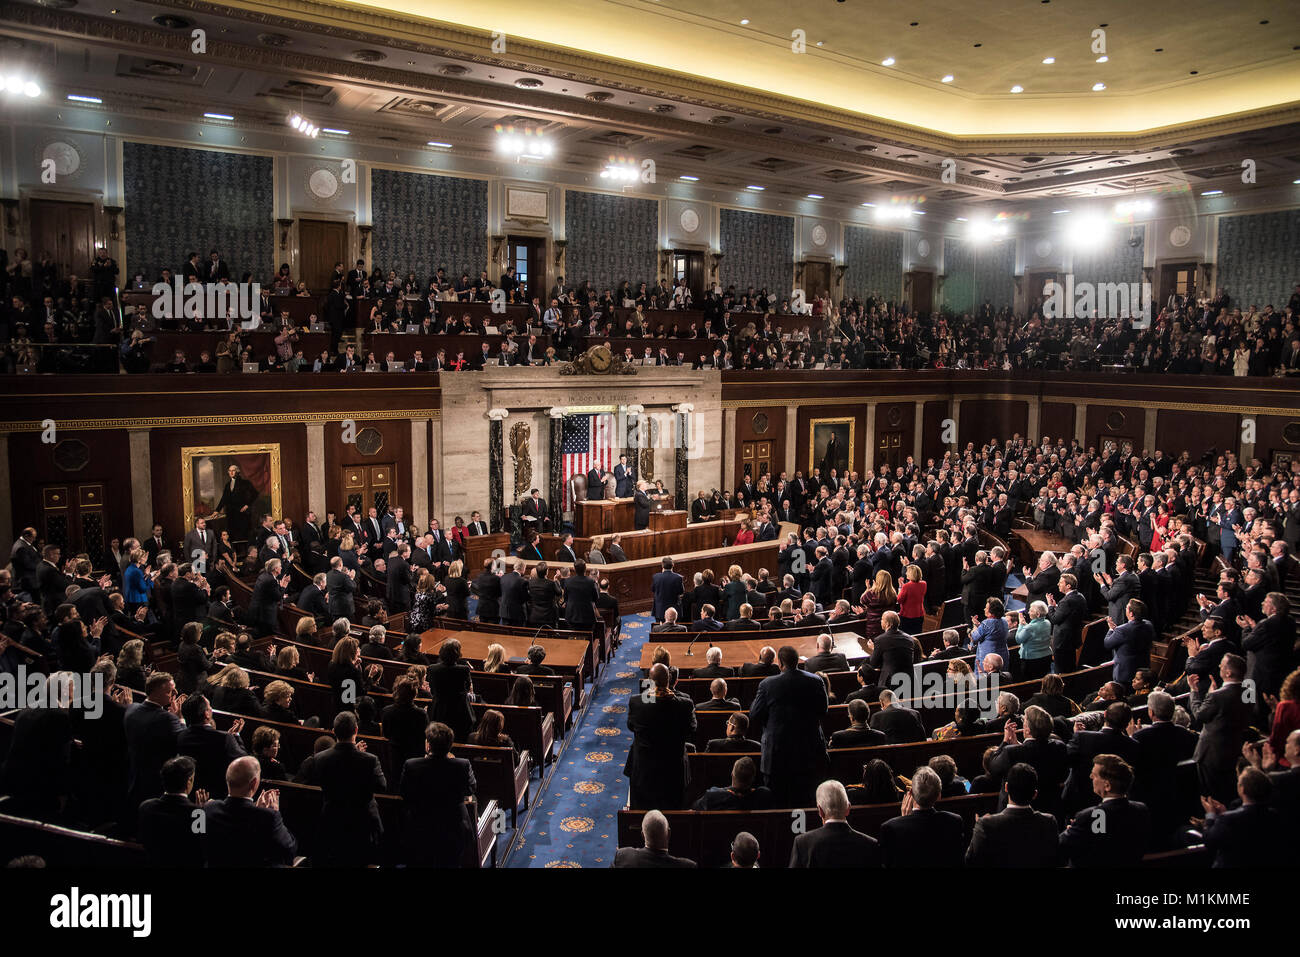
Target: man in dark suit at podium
[[641, 506], [595, 485], [534, 512]]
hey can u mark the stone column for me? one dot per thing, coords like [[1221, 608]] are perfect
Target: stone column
[[633, 435], [1081, 423], [791, 438], [680, 445], [955, 444], [496, 460], [728, 447], [1035, 417], [435, 456], [420, 471], [556, 488], [316, 469], [1149, 432], [918, 430], [869, 453], [6, 501], [141, 483]]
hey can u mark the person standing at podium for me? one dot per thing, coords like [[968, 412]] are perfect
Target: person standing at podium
[[624, 478], [641, 506]]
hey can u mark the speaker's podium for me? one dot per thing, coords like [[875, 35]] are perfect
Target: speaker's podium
[[603, 517], [662, 519]]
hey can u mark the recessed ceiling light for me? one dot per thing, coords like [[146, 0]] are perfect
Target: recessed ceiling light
[[1296, 182], [1098, 87], [1058, 212], [441, 146], [218, 116], [1049, 60], [887, 61], [1213, 192], [1017, 89], [1103, 59], [961, 219], [326, 129], [757, 189], [84, 99], [816, 196], [918, 212], [868, 204], [690, 179], [745, 22], [820, 42], [948, 78]]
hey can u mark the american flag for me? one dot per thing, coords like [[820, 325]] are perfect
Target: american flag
[[588, 443]]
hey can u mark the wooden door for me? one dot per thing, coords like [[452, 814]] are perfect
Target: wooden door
[[1035, 283], [1175, 278], [922, 293], [527, 255], [73, 517], [66, 231], [889, 450], [688, 264], [816, 280], [756, 459], [368, 485], [321, 244]]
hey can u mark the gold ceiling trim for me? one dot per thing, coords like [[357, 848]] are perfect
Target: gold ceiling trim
[[413, 34], [801, 402], [207, 421]]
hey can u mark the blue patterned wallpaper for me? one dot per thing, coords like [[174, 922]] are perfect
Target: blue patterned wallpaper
[[423, 221], [1116, 262], [611, 239], [978, 273], [757, 250], [181, 200], [875, 263], [1259, 258]]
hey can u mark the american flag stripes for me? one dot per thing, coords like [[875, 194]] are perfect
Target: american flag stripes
[[589, 442]]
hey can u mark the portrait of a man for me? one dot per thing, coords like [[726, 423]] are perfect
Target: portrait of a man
[[231, 487], [830, 445]]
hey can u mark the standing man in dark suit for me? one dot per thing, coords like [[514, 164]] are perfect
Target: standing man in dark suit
[[534, 512], [922, 835], [1223, 716], [1118, 591], [977, 584], [166, 824], [341, 584], [439, 825], [487, 588], [399, 580], [514, 594], [565, 552], [243, 833], [641, 506], [1130, 642], [579, 598], [625, 478], [264, 607], [1085, 745], [152, 728], [667, 588], [892, 651], [789, 708], [835, 843], [1115, 832], [1161, 746], [1269, 645], [595, 484], [1017, 836], [1066, 617], [348, 777], [661, 724]]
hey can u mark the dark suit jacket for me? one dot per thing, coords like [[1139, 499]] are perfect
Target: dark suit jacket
[[1067, 622], [151, 734], [1160, 747], [1016, 837], [858, 738], [399, 584], [894, 653], [656, 763], [579, 601], [667, 589], [1253, 835], [924, 838], [241, 834], [166, 829], [827, 661], [900, 725], [645, 857], [1115, 833], [439, 825], [1270, 650], [1083, 747], [212, 751], [348, 779], [264, 608], [835, 844], [788, 707]]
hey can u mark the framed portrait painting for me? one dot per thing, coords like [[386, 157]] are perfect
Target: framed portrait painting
[[831, 445], [231, 486]]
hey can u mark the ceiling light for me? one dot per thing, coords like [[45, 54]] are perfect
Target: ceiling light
[[947, 79], [745, 22], [1098, 87], [868, 204], [819, 42], [76, 98], [1058, 212], [441, 146], [1049, 60], [1017, 89], [32, 89], [336, 132], [887, 61], [1296, 182], [1131, 206], [918, 212], [218, 116], [690, 179], [757, 189], [1088, 231], [816, 196], [19, 84], [961, 219], [1213, 192], [1103, 59]]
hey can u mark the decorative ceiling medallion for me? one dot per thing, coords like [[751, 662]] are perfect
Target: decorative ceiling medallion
[[369, 56], [68, 158], [819, 235], [453, 69], [923, 249], [689, 220], [1180, 236], [323, 183], [1043, 248]]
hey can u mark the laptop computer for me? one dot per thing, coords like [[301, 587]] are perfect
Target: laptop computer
[[397, 367], [490, 330], [372, 367], [412, 328], [252, 367], [319, 326]]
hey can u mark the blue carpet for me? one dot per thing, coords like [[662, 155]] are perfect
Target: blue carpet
[[1014, 604], [575, 821]]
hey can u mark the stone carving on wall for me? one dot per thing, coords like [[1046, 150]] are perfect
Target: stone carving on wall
[[519, 436]]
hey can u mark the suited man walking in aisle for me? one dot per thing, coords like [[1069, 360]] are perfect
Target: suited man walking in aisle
[[789, 708]]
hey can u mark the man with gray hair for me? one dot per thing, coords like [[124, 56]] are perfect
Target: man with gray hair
[[952, 647], [655, 832], [1162, 744], [714, 668], [835, 843], [744, 850], [376, 645], [240, 832], [922, 835]]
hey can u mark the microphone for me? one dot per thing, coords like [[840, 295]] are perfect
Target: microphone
[[691, 644]]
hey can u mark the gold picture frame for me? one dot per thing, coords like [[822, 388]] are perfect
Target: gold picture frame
[[819, 432], [203, 470]]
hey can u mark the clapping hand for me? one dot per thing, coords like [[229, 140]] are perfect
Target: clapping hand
[[200, 797], [1211, 805], [271, 799], [237, 726]]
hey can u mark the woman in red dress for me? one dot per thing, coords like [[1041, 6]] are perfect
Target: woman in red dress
[[746, 534], [1161, 526]]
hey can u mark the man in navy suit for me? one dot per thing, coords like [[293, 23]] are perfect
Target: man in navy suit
[[624, 477], [922, 836], [1115, 832], [835, 843], [1253, 835], [1228, 518], [244, 833], [1130, 642], [152, 729], [667, 588], [789, 707]]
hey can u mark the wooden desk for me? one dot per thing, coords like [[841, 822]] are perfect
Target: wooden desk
[[603, 517], [1032, 542], [661, 521], [736, 653], [652, 544], [566, 656], [479, 548]]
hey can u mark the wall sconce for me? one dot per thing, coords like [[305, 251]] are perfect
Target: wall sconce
[[560, 246], [363, 234], [839, 274], [285, 226], [112, 212], [11, 214]]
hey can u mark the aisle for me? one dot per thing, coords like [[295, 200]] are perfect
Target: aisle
[[574, 823]]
